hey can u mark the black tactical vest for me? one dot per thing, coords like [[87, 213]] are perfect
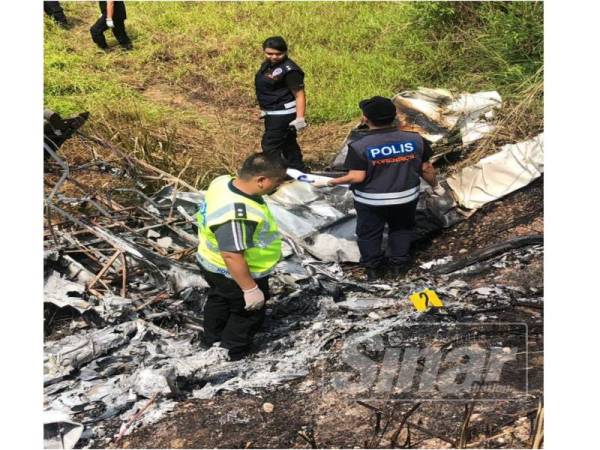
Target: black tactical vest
[[271, 92], [394, 167]]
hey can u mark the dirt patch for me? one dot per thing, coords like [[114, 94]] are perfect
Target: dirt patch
[[315, 419], [239, 121], [234, 420]]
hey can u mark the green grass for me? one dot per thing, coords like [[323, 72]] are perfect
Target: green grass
[[349, 51]]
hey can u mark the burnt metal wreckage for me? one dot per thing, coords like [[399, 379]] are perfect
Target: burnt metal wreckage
[[123, 297]]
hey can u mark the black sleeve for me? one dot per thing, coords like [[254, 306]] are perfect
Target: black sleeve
[[427, 151], [355, 161], [235, 235], [294, 81]]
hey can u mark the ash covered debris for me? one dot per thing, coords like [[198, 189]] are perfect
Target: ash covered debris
[[123, 300], [134, 361]]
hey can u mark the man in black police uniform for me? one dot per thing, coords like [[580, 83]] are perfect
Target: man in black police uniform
[[385, 166], [113, 17], [280, 93]]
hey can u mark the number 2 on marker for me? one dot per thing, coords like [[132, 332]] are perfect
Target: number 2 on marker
[[425, 299]]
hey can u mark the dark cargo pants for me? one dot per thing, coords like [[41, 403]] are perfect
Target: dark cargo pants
[[97, 31], [54, 10], [280, 140], [370, 223], [225, 318]]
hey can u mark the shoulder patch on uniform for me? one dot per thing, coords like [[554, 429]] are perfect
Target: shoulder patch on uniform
[[240, 210]]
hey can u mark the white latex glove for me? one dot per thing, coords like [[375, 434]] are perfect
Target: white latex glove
[[320, 183], [110, 23], [439, 190], [298, 123], [254, 298]]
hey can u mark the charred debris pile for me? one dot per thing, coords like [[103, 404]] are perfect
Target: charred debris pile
[[123, 297]]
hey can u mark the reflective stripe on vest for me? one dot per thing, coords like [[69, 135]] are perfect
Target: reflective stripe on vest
[[266, 239], [388, 198], [216, 269], [281, 112], [216, 215]]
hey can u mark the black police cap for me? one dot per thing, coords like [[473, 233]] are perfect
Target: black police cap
[[378, 109]]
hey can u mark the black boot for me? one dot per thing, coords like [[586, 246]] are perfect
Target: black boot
[[204, 344], [374, 273], [397, 271], [238, 353]]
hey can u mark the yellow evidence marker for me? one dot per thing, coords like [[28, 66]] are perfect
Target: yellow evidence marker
[[425, 299]]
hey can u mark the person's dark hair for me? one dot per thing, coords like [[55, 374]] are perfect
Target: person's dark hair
[[261, 164], [383, 123], [276, 43]]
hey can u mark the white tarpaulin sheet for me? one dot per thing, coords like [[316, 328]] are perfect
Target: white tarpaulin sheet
[[514, 166], [433, 113]]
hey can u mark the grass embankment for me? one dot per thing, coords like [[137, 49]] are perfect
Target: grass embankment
[[184, 95]]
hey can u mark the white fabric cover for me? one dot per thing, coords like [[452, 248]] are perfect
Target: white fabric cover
[[514, 166]]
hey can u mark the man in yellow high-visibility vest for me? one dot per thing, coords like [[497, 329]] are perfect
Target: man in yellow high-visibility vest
[[239, 247]]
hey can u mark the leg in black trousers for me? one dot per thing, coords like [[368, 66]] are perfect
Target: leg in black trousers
[[225, 318], [97, 31], [370, 222], [401, 223], [279, 140], [241, 327], [292, 153], [120, 34], [216, 313], [54, 10]]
